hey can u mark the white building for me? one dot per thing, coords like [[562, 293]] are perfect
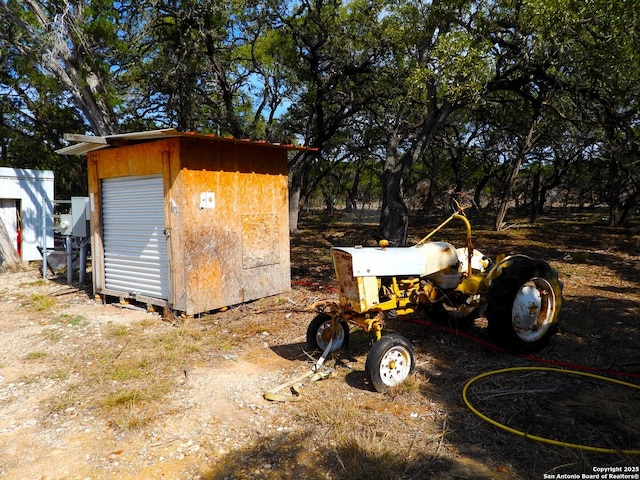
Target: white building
[[26, 198]]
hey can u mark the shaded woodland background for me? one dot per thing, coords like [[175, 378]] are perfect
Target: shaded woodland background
[[522, 104]]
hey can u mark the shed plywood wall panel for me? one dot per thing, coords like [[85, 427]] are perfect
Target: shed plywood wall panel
[[135, 160], [265, 234], [258, 246], [239, 249], [210, 238]]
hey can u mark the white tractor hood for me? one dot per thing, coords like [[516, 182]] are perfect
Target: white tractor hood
[[419, 260]]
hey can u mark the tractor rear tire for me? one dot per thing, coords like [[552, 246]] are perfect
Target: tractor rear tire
[[390, 361], [319, 333], [524, 304]]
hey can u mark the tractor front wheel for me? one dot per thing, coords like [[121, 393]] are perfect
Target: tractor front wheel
[[322, 329], [390, 361], [524, 304]]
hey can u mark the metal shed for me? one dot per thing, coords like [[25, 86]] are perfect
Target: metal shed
[[187, 221], [26, 201]]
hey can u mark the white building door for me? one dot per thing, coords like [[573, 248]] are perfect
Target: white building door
[[9, 210]]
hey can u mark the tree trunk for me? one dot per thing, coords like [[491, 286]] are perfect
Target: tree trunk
[[295, 198], [297, 171], [294, 209], [352, 194], [614, 189], [394, 219], [535, 197], [477, 194], [8, 253], [628, 209], [506, 193], [515, 169], [71, 68]]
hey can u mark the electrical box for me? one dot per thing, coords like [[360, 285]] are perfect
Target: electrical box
[[207, 200], [65, 224], [79, 217]]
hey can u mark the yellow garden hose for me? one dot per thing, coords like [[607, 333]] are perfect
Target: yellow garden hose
[[542, 439]]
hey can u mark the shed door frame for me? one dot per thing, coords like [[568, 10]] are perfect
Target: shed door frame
[[134, 236]]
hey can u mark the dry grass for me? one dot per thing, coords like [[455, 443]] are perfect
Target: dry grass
[[63, 401], [40, 302], [35, 355], [126, 375], [71, 320], [343, 430]]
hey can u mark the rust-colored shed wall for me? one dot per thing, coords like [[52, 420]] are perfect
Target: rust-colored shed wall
[[239, 249], [235, 249]]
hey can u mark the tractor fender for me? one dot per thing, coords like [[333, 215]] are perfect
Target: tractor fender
[[496, 270]]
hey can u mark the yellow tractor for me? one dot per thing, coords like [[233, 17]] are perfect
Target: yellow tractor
[[521, 298]]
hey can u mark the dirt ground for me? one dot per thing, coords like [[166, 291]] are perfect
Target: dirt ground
[[95, 391]]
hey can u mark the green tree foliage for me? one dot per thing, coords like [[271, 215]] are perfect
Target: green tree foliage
[[576, 63], [202, 66], [329, 50], [35, 108], [514, 101], [437, 64], [61, 40], [558, 97]]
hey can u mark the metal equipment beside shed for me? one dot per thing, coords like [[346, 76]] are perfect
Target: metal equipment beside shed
[[186, 221]]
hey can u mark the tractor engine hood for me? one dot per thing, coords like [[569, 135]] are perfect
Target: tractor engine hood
[[419, 260]]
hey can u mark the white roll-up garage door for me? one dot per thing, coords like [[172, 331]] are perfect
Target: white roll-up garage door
[[135, 247]]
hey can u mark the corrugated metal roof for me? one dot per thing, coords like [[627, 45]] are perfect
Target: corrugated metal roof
[[90, 143]]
